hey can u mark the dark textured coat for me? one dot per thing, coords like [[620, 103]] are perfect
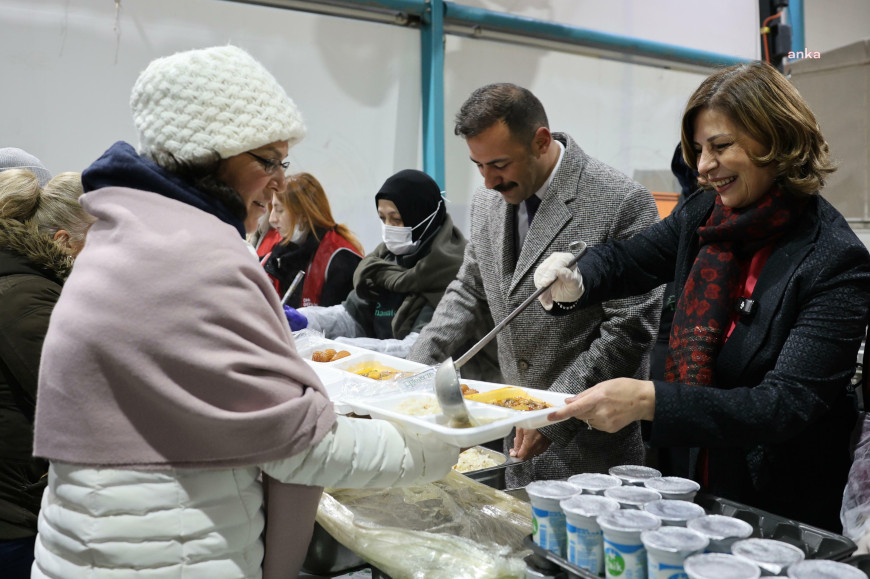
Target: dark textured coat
[[590, 201], [32, 268], [778, 422]]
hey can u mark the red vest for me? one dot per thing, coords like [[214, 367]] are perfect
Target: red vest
[[270, 239], [315, 277]]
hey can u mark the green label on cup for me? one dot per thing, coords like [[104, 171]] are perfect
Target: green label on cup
[[615, 562]]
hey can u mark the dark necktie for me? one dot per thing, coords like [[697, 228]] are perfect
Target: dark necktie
[[532, 204]]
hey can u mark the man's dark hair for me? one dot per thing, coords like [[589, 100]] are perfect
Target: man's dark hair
[[514, 105]]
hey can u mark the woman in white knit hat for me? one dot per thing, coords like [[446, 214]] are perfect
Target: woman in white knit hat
[[169, 380]]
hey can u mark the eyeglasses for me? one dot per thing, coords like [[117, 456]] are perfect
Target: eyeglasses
[[269, 165]]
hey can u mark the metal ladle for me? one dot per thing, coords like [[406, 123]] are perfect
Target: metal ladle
[[447, 388]]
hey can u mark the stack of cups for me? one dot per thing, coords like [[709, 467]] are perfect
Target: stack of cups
[[624, 553], [585, 545], [721, 530], [719, 565], [594, 483], [772, 556], [667, 549], [548, 520]]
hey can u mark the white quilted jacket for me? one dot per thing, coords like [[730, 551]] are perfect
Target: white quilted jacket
[[100, 523]]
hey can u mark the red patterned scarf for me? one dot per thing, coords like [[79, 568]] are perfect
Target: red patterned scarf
[[728, 240]]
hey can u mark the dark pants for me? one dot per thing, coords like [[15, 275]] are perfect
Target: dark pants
[[16, 557]]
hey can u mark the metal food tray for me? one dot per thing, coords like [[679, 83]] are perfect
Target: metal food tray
[[814, 542], [493, 476]]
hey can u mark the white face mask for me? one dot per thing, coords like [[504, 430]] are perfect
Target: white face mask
[[399, 239]]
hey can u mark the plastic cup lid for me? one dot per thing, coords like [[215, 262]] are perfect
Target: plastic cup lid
[[768, 554], [720, 566], [632, 494], [588, 505], [673, 510], [629, 520], [672, 484], [595, 481], [824, 569], [719, 527], [551, 489], [634, 472], [674, 540]]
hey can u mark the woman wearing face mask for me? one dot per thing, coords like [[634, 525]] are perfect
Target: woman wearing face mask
[[311, 242], [399, 284]]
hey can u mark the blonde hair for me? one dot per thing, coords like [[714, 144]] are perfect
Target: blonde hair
[[54, 208], [763, 104], [306, 201], [59, 206]]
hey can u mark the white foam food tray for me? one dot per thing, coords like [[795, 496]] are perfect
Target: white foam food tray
[[497, 421]]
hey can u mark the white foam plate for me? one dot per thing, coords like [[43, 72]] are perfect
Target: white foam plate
[[498, 421]]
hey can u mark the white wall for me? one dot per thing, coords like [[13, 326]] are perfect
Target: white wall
[[834, 23], [67, 76]]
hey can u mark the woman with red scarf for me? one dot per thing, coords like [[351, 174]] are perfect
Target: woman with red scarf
[[773, 290]]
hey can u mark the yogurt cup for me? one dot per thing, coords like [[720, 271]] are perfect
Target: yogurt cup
[[674, 513], [594, 483], [772, 556], [673, 487], [720, 566], [824, 569], [585, 544], [624, 553], [667, 549], [631, 496], [633, 474], [548, 520], [723, 531]]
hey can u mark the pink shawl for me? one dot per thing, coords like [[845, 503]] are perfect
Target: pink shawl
[[169, 348]]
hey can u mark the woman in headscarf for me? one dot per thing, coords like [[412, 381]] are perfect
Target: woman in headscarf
[[399, 284]]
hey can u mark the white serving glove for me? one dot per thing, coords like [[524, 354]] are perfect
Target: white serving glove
[[568, 286]]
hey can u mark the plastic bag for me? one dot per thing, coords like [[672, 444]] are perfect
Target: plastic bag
[[855, 513], [455, 527]]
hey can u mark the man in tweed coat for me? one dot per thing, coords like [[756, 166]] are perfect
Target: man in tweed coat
[[576, 197]]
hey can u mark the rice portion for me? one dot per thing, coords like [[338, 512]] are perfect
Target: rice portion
[[473, 459], [419, 406]]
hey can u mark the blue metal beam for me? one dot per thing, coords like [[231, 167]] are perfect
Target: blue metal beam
[[479, 21], [795, 18], [432, 76]]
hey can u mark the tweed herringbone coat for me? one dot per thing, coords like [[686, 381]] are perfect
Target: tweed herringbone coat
[[589, 201]]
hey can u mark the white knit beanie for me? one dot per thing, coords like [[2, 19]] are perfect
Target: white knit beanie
[[193, 104]]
